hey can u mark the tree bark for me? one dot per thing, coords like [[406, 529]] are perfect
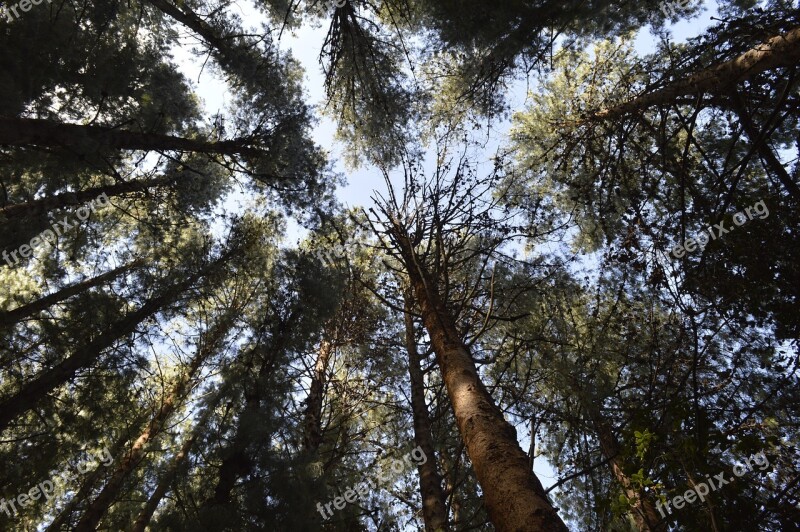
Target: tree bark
[[312, 437], [90, 139], [434, 507], [644, 512], [514, 497], [23, 312], [210, 344], [779, 51]]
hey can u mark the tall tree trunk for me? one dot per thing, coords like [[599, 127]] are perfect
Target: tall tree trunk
[[210, 343], [166, 480], [20, 313], [779, 51], [312, 434], [90, 139], [237, 462], [760, 142], [85, 491], [195, 23], [50, 379], [514, 497], [434, 507], [644, 511], [67, 199]]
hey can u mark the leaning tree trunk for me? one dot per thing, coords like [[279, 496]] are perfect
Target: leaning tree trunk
[[68, 199], [166, 480], [20, 313], [779, 51], [50, 379], [434, 507], [84, 492], [760, 142], [644, 512], [209, 344], [514, 497], [91, 139]]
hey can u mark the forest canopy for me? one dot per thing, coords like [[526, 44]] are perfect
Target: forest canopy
[[442, 266]]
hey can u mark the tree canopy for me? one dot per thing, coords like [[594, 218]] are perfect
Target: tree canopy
[[569, 303]]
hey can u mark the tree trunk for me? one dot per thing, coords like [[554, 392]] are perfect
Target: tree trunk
[[644, 511], [190, 19], [779, 51], [237, 463], [91, 139], [210, 344], [23, 312], [760, 142], [514, 497], [434, 507], [166, 480], [67, 199], [48, 380], [312, 437], [84, 492]]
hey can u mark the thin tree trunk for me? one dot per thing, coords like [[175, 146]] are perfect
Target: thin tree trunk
[[237, 463], [190, 19], [90, 139], [50, 379], [434, 507], [764, 150], [779, 51], [23, 312], [644, 511], [84, 491], [514, 497], [210, 344], [67, 199], [166, 480]]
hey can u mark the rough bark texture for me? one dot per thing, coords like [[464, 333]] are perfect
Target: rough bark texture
[[210, 344], [90, 139], [514, 497], [434, 507], [779, 51], [312, 436]]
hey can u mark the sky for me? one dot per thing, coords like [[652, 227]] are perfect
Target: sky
[[304, 45]]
